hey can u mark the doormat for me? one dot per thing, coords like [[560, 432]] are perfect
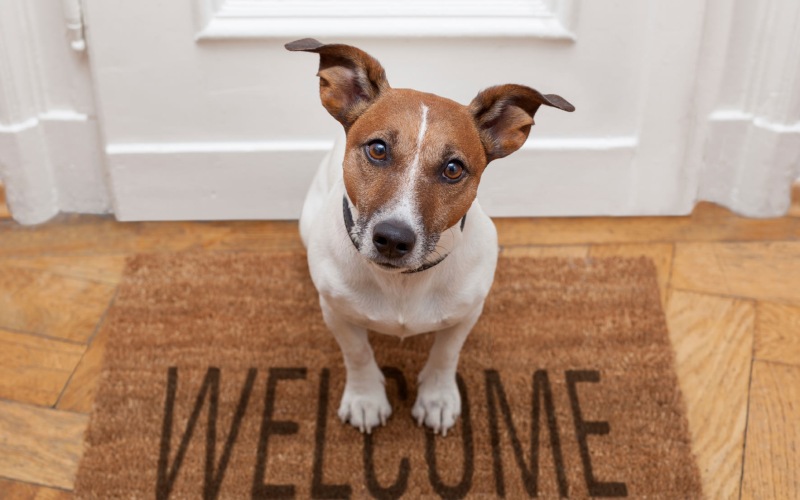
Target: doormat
[[221, 381]]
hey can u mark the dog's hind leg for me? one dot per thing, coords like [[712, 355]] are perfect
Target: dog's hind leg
[[364, 402]]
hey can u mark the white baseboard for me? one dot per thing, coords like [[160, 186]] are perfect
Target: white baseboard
[[53, 163], [268, 180], [212, 181], [750, 164], [563, 178], [29, 184]]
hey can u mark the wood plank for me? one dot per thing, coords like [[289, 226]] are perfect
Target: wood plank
[[772, 455], [79, 394], [69, 234], [707, 223], [713, 340], [35, 369], [105, 268], [40, 445], [765, 271], [660, 253], [4, 213], [52, 305], [778, 333], [15, 490], [574, 251], [794, 208], [84, 234]]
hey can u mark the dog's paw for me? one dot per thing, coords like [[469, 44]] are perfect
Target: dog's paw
[[438, 402], [365, 409]]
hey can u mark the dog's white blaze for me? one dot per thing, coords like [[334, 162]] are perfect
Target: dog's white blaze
[[423, 127], [404, 206], [406, 200]]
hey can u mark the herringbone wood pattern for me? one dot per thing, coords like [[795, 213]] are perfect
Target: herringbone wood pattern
[[730, 286]]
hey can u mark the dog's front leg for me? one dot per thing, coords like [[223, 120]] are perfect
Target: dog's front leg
[[438, 403], [364, 402]]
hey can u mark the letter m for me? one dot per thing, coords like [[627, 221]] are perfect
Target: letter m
[[496, 396]]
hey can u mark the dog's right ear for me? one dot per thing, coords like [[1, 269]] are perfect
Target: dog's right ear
[[349, 79]]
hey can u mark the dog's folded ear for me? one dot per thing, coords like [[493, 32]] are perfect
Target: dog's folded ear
[[349, 78], [504, 116]]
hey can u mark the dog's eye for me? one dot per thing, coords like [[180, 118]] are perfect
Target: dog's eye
[[377, 150], [453, 171]]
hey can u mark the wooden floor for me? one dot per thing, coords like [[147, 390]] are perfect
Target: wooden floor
[[730, 286]]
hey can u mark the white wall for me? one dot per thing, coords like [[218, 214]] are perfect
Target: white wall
[[51, 156], [205, 116]]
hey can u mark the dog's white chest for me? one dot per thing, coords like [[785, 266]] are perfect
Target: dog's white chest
[[393, 303], [398, 312]]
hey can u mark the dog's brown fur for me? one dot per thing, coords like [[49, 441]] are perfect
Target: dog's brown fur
[[355, 91], [451, 134]]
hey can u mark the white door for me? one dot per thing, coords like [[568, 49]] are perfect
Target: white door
[[204, 115], [193, 109]]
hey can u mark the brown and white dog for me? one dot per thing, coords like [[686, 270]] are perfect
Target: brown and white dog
[[397, 242]]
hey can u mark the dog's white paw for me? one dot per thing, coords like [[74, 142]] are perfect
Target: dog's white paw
[[438, 402], [365, 408]]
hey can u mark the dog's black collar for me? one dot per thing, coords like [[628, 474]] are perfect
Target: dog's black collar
[[349, 223]]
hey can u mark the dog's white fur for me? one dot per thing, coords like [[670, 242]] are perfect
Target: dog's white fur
[[357, 295], [433, 280]]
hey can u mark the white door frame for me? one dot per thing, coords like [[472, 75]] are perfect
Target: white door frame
[[747, 140], [51, 157]]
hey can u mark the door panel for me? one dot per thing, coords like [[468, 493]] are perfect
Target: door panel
[[206, 116]]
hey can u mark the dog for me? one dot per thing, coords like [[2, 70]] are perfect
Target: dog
[[396, 240]]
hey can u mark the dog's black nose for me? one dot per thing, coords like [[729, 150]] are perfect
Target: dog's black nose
[[393, 239]]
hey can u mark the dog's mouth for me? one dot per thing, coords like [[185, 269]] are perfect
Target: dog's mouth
[[388, 265], [431, 260]]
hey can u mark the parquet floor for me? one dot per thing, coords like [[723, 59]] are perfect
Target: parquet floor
[[730, 286]]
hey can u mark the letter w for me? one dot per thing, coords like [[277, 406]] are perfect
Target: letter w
[[530, 475], [209, 390]]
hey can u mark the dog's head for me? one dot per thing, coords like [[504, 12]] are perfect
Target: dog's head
[[413, 160]]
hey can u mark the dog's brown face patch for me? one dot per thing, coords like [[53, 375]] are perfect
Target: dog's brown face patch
[[429, 152], [422, 134]]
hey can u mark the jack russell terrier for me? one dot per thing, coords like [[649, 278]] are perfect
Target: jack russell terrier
[[397, 242]]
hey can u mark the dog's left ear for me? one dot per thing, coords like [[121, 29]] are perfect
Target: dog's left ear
[[504, 116], [349, 79]]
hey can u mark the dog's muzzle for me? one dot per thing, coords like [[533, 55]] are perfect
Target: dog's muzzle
[[392, 239]]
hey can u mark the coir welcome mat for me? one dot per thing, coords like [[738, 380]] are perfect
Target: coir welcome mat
[[221, 381]]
